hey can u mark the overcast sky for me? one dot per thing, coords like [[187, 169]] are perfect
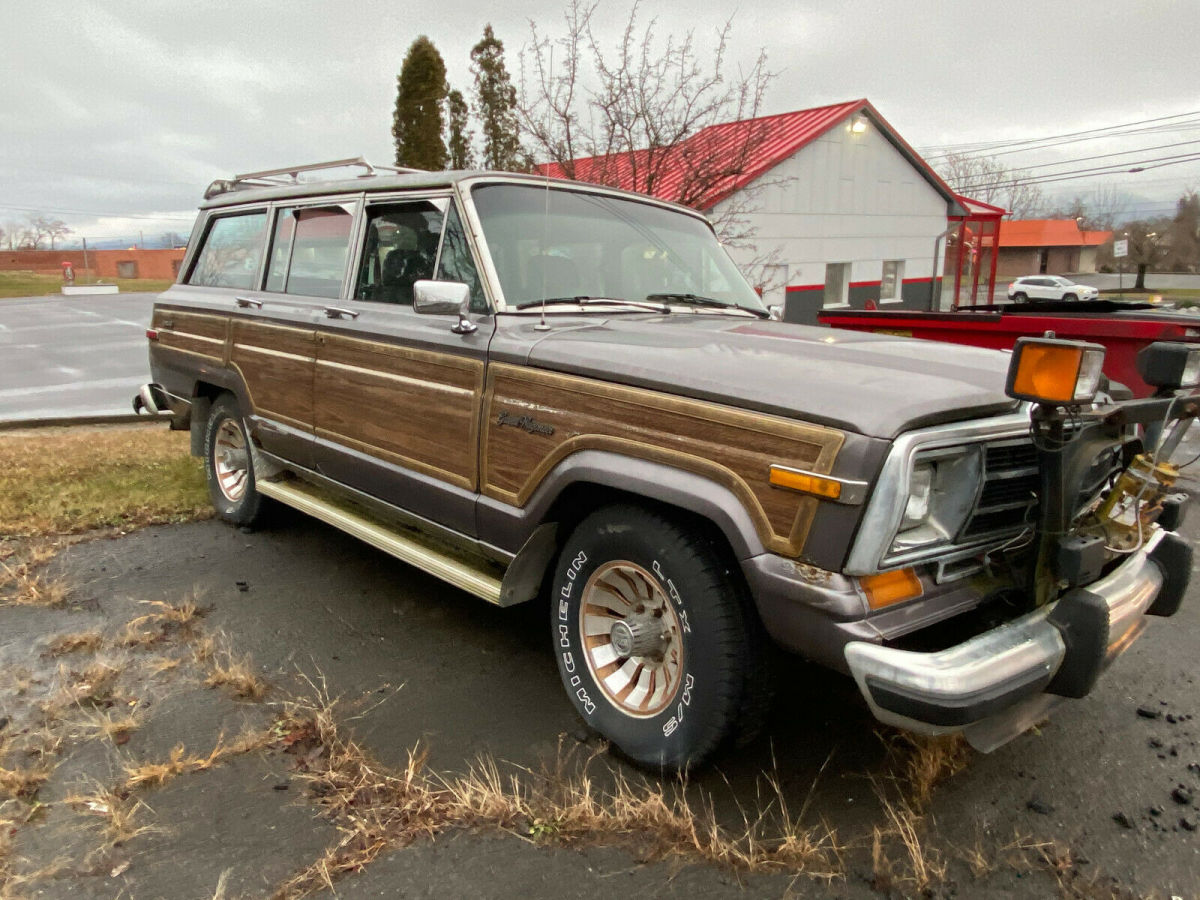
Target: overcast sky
[[116, 115]]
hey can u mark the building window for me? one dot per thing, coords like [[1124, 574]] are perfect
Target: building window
[[893, 279], [837, 284]]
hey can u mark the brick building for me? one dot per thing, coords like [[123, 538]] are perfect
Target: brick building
[[131, 263]]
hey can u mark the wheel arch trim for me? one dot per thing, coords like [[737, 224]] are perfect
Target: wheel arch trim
[[654, 481]]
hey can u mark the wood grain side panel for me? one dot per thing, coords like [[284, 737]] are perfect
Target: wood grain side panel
[[276, 363], [197, 333], [733, 447], [417, 408]]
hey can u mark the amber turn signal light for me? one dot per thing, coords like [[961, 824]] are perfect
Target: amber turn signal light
[[1046, 370], [805, 482], [892, 587]]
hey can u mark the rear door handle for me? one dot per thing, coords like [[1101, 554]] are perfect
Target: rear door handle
[[245, 302], [340, 312]]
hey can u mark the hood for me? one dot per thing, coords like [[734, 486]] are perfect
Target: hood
[[872, 384]]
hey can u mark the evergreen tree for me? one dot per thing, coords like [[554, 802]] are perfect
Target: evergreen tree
[[457, 117], [495, 104], [417, 123]]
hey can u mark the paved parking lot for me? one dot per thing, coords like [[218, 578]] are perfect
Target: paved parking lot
[[72, 356]]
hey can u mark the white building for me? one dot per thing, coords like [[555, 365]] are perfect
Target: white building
[[843, 210]]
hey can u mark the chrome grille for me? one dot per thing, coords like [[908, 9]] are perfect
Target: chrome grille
[[1009, 497]]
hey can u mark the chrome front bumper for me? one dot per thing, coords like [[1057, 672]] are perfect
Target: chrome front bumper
[[994, 686]]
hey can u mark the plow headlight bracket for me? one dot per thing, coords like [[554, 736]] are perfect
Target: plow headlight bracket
[[1056, 372]]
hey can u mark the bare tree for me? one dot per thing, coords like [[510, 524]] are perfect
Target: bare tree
[[56, 229], [1183, 234], [1097, 211], [986, 178], [34, 234], [660, 117], [1148, 246]]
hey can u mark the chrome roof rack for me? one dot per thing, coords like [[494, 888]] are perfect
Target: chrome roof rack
[[290, 175]]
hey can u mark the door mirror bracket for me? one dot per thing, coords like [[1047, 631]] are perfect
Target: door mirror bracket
[[444, 298]]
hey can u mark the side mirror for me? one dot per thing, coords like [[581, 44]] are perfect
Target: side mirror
[[776, 312], [444, 298]]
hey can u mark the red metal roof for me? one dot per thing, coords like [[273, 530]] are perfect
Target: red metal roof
[[979, 209], [745, 150], [1049, 233]]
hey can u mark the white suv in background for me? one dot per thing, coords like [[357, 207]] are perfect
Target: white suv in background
[[1049, 287]]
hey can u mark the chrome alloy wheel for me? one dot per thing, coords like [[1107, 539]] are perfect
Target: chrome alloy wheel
[[231, 460], [631, 634]]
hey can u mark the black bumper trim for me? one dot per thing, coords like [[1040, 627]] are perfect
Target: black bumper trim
[[959, 710], [1173, 556]]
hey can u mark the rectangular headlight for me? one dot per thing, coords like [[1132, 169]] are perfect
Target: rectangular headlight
[[941, 494], [1167, 364], [1061, 373]]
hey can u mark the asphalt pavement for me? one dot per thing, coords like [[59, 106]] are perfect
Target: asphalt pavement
[[1099, 801], [72, 356]]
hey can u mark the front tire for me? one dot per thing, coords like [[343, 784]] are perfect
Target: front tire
[[1070, 297], [229, 465], [655, 639]]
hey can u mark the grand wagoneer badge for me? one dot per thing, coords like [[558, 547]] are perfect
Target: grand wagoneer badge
[[530, 424]]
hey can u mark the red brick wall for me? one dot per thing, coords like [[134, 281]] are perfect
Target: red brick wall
[[101, 263]]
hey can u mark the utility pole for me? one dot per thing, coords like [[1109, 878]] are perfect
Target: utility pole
[[85, 262]]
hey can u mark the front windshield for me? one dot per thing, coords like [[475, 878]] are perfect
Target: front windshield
[[549, 243]]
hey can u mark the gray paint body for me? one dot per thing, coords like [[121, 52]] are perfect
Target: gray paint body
[[875, 385]]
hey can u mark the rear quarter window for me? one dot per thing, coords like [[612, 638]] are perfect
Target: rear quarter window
[[230, 251]]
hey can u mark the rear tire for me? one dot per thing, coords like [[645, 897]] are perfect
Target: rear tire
[[229, 465], [1020, 297], [657, 644]]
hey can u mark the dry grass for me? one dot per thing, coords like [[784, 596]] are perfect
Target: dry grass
[[204, 648], [23, 783], [376, 808], [80, 641], [115, 725], [917, 764], [919, 867], [120, 812], [139, 775], [70, 480], [96, 685], [225, 669], [920, 763], [23, 588], [170, 620]]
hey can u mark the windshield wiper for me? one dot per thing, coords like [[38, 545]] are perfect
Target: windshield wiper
[[594, 301], [697, 300]]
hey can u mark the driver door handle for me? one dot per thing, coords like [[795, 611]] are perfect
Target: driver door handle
[[246, 302], [340, 312]]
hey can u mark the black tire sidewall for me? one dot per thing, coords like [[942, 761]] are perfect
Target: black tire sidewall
[[1020, 297], [245, 510], [706, 699]]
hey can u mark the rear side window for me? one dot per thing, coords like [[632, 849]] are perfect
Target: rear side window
[[309, 250], [230, 252]]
